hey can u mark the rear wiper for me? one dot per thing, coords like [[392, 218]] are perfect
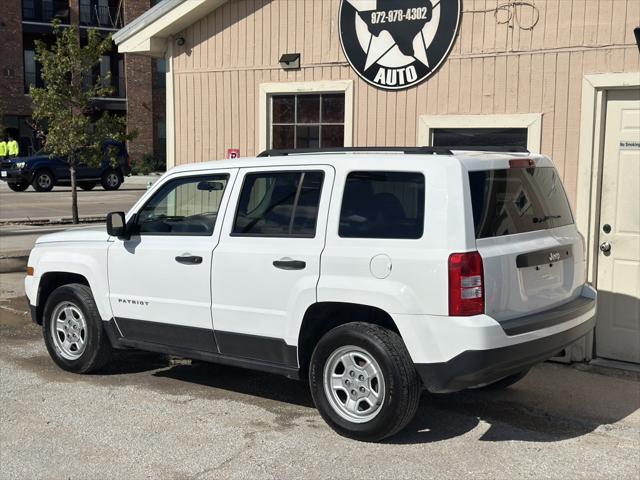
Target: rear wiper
[[545, 218]]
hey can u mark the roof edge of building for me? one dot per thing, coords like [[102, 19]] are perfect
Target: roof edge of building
[[147, 34]]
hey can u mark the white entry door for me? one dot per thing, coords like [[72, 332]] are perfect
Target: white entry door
[[618, 281]]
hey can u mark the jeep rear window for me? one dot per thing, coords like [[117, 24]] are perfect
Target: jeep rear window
[[517, 200], [383, 205]]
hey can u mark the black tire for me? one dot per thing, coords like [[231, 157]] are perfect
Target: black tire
[[87, 185], [402, 385], [111, 179], [43, 181], [19, 186], [505, 382], [97, 349]]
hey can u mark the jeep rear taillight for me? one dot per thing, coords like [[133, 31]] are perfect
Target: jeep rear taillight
[[466, 284]]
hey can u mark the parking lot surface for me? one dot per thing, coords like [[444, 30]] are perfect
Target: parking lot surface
[[150, 416]]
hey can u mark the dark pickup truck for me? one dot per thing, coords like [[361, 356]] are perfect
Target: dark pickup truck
[[43, 172]]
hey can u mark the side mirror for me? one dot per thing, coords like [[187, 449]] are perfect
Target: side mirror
[[116, 225]]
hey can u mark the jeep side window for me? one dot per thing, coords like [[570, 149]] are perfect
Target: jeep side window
[[280, 204], [383, 205], [184, 206]]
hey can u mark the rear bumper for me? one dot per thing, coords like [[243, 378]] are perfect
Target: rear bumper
[[481, 366]]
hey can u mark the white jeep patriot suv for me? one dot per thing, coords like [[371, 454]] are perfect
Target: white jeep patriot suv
[[373, 273]]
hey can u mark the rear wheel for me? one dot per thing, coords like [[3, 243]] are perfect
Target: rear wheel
[[72, 330], [87, 185], [43, 181], [19, 186], [363, 381], [111, 180]]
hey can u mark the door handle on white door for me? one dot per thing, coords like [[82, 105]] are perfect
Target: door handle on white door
[[605, 247], [188, 259], [289, 264]]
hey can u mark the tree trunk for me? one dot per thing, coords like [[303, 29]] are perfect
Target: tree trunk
[[74, 191]]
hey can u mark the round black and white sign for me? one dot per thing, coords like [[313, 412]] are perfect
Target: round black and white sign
[[396, 44]]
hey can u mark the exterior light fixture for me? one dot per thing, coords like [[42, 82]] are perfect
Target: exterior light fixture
[[180, 41], [290, 61]]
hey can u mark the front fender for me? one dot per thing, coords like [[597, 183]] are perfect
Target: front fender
[[86, 259]]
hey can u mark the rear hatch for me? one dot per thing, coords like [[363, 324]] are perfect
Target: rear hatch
[[532, 253]]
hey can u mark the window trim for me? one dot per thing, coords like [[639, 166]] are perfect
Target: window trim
[[133, 221], [295, 88], [293, 214], [424, 207], [295, 124], [531, 121]]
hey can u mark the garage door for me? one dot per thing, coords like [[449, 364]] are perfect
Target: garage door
[[618, 281]]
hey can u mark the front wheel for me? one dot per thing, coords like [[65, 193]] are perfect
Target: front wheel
[[43, 181], [363, 381], [73, 331], [19, 186], [111, 180]]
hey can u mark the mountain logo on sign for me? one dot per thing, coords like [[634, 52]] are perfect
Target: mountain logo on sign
[[396, 44]]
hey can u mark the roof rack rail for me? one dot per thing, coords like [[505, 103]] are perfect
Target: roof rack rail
[[408, 150]]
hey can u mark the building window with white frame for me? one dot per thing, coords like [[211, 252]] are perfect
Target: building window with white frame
[[307, 120]]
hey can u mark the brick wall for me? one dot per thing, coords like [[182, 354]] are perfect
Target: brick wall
[[138, 74], [12, 98]]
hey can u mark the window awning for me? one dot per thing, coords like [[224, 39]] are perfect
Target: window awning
[[148, 34]]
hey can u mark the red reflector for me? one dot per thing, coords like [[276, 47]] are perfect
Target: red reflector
[[522, 163], [466, 284]]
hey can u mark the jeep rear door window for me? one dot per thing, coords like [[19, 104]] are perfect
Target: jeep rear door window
[[517, 200], [184, 206], [383, 205], [280, 204]]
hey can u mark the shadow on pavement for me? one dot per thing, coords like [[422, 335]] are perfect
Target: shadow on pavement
[[552, 403], [240, 380]]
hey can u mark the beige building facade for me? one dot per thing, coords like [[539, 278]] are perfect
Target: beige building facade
[[548, 75]]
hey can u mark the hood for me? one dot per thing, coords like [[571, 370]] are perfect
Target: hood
[[93, 234]]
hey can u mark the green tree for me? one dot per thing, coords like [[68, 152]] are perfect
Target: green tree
[[64, 108]]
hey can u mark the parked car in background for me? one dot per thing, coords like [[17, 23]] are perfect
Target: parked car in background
[[43, 172]]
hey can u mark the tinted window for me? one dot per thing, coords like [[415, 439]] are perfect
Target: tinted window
[[383, 205], [517, 200], [185, 206], [479, 137], [279, 204]]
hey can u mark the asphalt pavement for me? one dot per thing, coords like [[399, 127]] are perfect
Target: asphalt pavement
[[151, 416]]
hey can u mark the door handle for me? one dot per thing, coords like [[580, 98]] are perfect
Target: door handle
[[288, 264], [605, 247], [187, 259]]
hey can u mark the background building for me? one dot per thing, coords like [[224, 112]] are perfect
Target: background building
[[133, 77], [560, 77]]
